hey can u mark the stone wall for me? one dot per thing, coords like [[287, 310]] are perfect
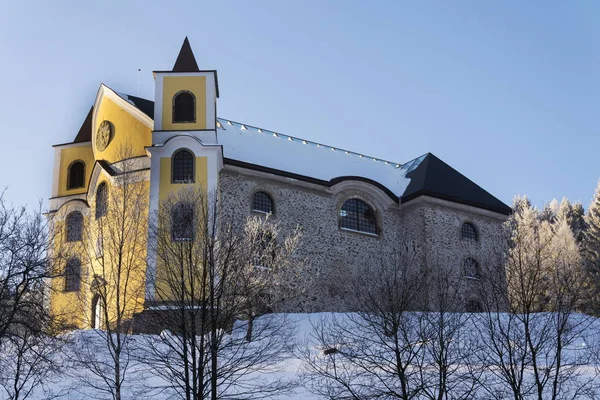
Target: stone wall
[[335, 254]]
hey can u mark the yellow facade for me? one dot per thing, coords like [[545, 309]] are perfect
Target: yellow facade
[[167, 188], [130, 135], [67, 156], [174, 84], [120, 267]]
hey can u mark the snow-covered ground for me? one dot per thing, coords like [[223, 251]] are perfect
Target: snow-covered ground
[[144, 382]]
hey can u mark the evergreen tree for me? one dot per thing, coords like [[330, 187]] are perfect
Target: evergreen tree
[[549, 211], [591, 237], [578, 224]]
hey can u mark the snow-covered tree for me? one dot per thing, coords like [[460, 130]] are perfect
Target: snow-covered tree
[[592, 233], [545, 288]]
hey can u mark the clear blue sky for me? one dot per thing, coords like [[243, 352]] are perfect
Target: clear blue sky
[[508, 93]]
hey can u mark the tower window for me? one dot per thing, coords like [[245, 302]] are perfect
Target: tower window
[[356, 215], [75, 175], [74, 226], [182, 222], [72, 275], [469, 232], [262, 202], [184, 107], [471, 268], [183, 167], [101, 200]]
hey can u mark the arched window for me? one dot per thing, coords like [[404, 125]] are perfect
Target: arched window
[[101, 200], [262, 202], [182, 222], [474, 306], [469, 232], [184, 107], [183, 167], [471, 268], [72, 275], [356, 215], [76, 175], [74, 226]]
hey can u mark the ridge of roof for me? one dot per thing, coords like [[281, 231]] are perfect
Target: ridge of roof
[[186, 62]]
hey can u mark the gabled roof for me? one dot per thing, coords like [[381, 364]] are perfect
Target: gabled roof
[[186, 62], [433, 177]]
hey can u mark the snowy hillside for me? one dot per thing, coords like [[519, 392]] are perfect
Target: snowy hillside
[[146, 380]]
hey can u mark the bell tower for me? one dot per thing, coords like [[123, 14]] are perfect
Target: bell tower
[[184, 153], [185, 97]]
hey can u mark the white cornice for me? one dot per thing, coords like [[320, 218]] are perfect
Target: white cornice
[[105, 91]]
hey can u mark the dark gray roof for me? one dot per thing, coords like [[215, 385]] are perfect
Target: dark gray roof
[[435, 178], [186, 62]]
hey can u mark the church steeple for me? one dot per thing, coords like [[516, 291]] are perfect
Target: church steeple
[[186, 62], [185, 97]]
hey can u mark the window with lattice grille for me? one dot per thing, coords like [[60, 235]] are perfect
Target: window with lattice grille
[[469, 232], [74, 226], [72, 275], [356, 215], [262, 202], [182, 222], [101, 200], [183, 167], [471, 268]]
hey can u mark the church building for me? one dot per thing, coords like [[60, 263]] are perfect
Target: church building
[[346, 203]]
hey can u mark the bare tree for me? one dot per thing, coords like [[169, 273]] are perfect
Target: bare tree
[[113, 248], [27, 346], [533, 347], [214, 275], [377, 350], [449, 370]]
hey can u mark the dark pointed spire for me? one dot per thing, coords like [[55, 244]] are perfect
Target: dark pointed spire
[[186, 62]]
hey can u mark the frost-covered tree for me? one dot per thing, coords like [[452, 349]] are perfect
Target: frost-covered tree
[[545, 288], [592, 233], [591, 251]]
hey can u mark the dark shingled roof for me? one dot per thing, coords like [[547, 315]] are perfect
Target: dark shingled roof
[[186, 62], [145, 106], [435, 178], [85, 132]]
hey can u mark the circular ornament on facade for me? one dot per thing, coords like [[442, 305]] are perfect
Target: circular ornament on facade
[[104, 135]]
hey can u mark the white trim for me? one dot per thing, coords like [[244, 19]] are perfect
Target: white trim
[[214, 155], [105, 91]]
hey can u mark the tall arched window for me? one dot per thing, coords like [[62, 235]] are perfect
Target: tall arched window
[[76, 175], [74, 226], [471, 268], [101, 200], [356, 215], [262, 202], [72, 275], [469, 232], [184, 107], [183, 167], [182, 222]]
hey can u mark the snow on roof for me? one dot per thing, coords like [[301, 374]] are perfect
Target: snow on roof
[[286, 153]]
